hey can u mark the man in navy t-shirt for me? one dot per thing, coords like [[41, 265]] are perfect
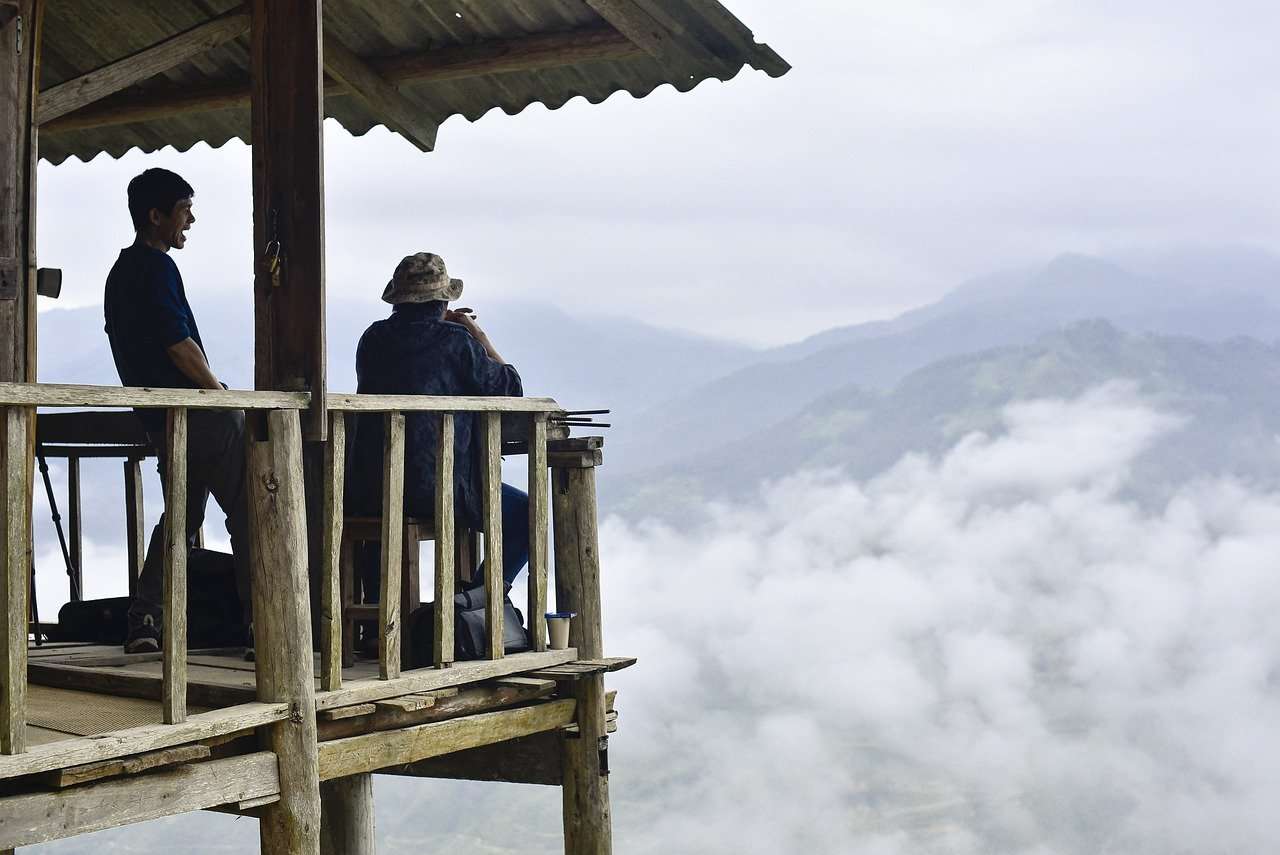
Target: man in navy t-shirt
[[156, 343]]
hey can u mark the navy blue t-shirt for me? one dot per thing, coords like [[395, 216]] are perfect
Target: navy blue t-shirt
[[147, 312]]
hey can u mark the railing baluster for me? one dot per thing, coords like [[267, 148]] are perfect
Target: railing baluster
[[492, 478], [444, 537], [17, 564], [134, 517], [75, 528], [539, 500], [392, 547], [174, 701], [331, 586]]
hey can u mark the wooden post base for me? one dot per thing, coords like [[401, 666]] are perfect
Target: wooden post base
[[588, 821], [346, 817]]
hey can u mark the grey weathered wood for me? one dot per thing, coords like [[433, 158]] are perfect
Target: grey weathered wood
[[97, 84], [577, 546], [535, 759], [75, 525], [75, 751], [174, 641], [282, 627], [381, 97], [491, 479], [497, 56], [68, 395], [26, 820], [445, 525], [17, 566], [331, 584], [428, 679], [83, 774], [486, 697], [392, 547], [287, 133], [369, 752], [346, 820], [134, 522], [539, 509], [585, 791], [19, 68], [436, 403]]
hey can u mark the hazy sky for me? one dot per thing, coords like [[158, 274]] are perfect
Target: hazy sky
[[913, 145]]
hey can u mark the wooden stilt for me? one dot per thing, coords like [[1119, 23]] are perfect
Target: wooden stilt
[[277, 517], [175, 570], [586, 809], [346, 820], [16, 556]]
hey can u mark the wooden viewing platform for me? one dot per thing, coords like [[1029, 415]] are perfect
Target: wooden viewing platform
[[92, 738]]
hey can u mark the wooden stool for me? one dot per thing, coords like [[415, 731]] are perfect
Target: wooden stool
[[369, 530]]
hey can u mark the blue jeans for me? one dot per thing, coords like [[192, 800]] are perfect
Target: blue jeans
[[515, 545], [515, 534]]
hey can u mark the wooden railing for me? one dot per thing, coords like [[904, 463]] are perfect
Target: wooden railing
[[17, 410], [489, 413]]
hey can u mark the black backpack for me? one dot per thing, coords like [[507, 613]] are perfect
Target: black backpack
[[469, 636]]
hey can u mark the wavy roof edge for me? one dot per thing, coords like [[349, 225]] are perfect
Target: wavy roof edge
[[500, 55]]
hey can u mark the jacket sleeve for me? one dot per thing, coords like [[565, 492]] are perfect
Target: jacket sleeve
[[486, 376]]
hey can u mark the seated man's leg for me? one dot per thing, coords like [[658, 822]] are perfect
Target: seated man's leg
[[515, 532], [515, 535]]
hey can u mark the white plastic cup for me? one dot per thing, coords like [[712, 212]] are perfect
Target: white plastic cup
[[558, 629]]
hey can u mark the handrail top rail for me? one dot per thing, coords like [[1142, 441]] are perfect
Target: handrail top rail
[[139, 397], [348, 403]]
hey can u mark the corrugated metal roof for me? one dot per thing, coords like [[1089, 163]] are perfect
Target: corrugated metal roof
[[82, 35]]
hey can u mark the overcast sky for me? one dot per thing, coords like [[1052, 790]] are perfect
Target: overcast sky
[[914, 144]]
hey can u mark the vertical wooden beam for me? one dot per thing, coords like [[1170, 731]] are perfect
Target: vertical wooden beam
[[134, 517], [585, 793], [15, 545], [331, 584], [346, 819], [75, 527], [288, 201], [20, 24], [539, 501], [445, 528], [392, 547], [174, 701], [282, 627], [577, 546], [491, 476]]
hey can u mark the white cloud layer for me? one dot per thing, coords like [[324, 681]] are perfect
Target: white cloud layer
[[988, 652]]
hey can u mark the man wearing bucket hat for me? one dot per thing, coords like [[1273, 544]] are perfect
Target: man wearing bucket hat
[[424, 348]]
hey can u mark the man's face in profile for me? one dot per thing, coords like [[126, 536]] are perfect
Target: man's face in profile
[[171, 229]]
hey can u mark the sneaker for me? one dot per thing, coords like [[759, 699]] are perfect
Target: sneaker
[[249, 655], [144, 637]]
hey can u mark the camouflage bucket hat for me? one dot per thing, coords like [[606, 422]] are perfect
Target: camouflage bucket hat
[[421, 278]]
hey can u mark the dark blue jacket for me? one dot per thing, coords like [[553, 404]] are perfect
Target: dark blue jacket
[[411, 353]]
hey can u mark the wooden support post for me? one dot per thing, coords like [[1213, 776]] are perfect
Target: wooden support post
[[288, 201], [75, 528], [174, 639], [392, 546], [539, 500], [346, 819], [134, 518], [587, 813], [577, 545], [282, 627], [16, 549], [445, 530], [491, 476], [331, 584], [20, 26]]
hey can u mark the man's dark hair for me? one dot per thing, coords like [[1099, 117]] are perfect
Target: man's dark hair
[[155, 188], [431, 308]]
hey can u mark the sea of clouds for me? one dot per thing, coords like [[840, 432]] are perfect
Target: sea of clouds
[[989, 651], [992, 651]]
